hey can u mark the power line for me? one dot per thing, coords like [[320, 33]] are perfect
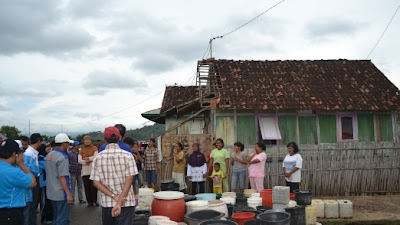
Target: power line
[[384, 31], [114, 112], [241, 26]]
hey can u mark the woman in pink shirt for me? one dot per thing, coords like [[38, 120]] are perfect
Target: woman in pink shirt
[[256, 168]]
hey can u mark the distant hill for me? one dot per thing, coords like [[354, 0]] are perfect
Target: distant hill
[[140, 134]]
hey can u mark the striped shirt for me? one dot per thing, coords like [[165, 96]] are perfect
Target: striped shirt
[[111, 167]]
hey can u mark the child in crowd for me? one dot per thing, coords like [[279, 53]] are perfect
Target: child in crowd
[[217, 176]]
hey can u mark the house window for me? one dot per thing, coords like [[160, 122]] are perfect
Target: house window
[[269, 128], [347, 128], [384, 127]]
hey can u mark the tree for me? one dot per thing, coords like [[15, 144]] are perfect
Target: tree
[[10, 131]]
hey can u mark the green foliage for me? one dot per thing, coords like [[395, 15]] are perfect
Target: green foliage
[[10, 131], [143, 133]]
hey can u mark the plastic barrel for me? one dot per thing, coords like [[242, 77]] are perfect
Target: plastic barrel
[[297, 215]]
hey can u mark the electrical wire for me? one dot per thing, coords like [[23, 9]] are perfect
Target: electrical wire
[[243, 25], [384, 31], [72, 124]]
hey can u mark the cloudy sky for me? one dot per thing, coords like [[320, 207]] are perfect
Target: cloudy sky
[[79, 66]]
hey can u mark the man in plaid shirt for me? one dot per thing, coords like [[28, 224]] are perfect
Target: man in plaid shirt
[[112, 174]]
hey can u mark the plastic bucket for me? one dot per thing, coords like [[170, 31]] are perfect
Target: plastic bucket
[[303, 197], [297, 215], [263, 208], [218, 222], [141, 221], [252, 222], [206, 196], [195, 218], [241, 200], [242, 217], [266, 196], [274, 218], [230, 209]]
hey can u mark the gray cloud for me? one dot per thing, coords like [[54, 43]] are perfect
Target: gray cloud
[[331, 27], [29, 92], [156, 45], [101, 82], [4, 108], [38, 26]]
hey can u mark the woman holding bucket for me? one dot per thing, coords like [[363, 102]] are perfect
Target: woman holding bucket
[[292, 165]]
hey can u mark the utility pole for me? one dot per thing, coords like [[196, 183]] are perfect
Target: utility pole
[[211, 40], [29, 128]]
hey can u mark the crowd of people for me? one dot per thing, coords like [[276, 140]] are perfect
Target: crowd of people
[[54, 174]]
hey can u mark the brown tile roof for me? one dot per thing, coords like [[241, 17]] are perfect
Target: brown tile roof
[[353, 85], [177, 95]]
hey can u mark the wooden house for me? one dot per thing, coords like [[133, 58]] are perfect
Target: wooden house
[[335, 105]]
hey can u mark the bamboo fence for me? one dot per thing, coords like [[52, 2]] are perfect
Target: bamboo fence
[[339, 169], [343, 169]]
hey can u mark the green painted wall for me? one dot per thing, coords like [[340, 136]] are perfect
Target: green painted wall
[[225, 129], [365, 127], [327, 128], [246, 130], [308, 130], [386, 127], [287, 126]]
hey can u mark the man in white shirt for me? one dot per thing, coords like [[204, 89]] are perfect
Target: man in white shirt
[[36, 140]]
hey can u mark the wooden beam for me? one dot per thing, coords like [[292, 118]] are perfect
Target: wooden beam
[[184, 121]]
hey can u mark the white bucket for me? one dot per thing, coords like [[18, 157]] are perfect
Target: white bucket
[[196, 205], [154, 219], [254, 202], [145, 197], [255, 195], [292, 204], [228, 200], [218, 206], [166, 222]]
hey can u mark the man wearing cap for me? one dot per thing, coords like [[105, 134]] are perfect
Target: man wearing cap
[[36, 140], [112, 174], [122, 131], [13, 182], [75, 169], [58, 183]]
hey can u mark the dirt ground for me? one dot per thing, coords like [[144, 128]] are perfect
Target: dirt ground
[[370, 208]]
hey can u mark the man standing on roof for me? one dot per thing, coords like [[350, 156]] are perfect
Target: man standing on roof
[[112, 175], [58, 181], [13, 182], [122, 145]]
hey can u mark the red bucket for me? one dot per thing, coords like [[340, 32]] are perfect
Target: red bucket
[[292, 196], [266, 196], [242, 217]]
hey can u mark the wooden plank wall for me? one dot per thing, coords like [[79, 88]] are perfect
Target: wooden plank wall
[[342, 169]]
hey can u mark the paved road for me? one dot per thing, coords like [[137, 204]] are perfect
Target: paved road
[[82, 215]]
